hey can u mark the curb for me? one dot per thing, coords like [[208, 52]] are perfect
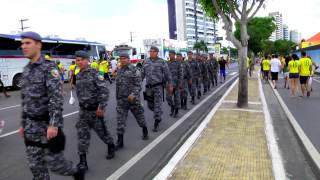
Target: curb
[[309, 150]]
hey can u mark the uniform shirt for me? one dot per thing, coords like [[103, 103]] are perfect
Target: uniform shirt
[[265, 65], [293, 66], [215, 65], [186, 68], [194, 67], [305, 64], [128, 82], [92, 89], [275, 65], [176, 70], [156, 71], [41, 92]]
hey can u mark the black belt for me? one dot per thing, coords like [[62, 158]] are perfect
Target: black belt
[[45, 117], [154, 85], [88, 108]]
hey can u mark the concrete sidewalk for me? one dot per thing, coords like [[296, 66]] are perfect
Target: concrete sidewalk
[[233, 144]]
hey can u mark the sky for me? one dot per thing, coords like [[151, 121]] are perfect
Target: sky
[[111, 21]]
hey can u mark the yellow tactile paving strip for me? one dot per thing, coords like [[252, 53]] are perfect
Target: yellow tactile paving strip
[[232, 147]]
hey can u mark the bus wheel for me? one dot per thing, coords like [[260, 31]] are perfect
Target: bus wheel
[[17, 81]]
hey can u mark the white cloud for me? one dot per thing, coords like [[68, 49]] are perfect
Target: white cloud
[[79, 18]]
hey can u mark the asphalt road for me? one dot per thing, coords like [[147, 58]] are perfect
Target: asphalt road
[[305, 110], [150, 155]]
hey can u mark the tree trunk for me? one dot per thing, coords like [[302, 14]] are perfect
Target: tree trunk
[[243, 77]]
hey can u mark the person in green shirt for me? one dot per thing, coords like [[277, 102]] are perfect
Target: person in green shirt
[[293, 67], [305, 69], [265, 63]]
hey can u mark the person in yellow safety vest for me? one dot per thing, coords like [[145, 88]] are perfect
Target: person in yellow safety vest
[[104, 69], [94, 65], [305, 69], [72, 74], [265, 64]]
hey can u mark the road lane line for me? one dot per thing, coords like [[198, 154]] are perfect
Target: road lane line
[[9, 107], [276, 159], [316, 80], [16, 131], [306, 142], [124, 168], [183, 150]]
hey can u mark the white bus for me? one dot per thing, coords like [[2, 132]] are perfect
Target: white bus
[[12, 60]]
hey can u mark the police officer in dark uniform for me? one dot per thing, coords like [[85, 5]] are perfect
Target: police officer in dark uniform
[[187, 80], [93, 94], [42, 120], [128, 87]]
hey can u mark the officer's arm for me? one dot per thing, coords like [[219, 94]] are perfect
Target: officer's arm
[[24, 113], [54, 92], [142, 73], [167, 74], [136, 80], [103, 91]]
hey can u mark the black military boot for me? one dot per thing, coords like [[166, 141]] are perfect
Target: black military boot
[[119, 144], [199, 94], [176, 113], [172, 110], [83, 165], [156, 126], [111, 149], [145, 135], [193, 100], [79, 175], [185, 104], [182, 103]]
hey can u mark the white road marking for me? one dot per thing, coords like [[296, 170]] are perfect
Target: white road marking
[[124, 168], [309, 147], [183, 150], [16, 131], [9, 107], [316, 80], [276, 159]]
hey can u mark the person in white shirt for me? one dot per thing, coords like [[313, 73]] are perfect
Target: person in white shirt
[[275, 69], [114, 64]]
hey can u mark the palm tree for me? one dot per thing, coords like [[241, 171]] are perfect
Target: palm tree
[[200, 46]]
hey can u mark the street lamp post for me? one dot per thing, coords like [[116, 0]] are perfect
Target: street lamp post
[[22, 27]]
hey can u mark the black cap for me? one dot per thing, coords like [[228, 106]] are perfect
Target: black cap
[[179, 54], [154, 48], [124, 55], [172, 51], [190, 52], [31, 35], [82, 54]]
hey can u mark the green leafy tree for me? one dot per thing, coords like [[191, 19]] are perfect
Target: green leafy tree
[[284, 47], [259, 30], [200, 46], [240, 11]]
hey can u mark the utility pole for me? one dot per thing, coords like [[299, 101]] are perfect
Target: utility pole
[[130, 36], [22, 27]]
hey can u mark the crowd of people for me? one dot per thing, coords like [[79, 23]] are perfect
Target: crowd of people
[[297, 71]]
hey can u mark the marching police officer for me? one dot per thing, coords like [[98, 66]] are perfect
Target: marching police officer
[[204, 72], [177, 78], [214, 69], [157, 75], [128, 87], [187, 80], [195, 69], [42, 120], [93, 94]]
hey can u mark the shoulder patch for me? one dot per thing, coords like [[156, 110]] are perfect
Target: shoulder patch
[[55, 73], [100, 77]]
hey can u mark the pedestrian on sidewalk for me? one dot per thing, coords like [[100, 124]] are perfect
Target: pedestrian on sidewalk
[[222, 64], [293, 67], [42, 121], [93, 94], [305, 69], [128, 87], [275, 69]]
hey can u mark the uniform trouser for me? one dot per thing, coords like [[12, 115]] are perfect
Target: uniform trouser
[[215, 78], [198, 84], [157, 94], [184, 91], [107, 76], [174, 98], [211, 81], [123, 106], [39, 158], [87, 121]]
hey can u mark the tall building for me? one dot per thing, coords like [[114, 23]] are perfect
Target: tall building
[[278, 33], [286, 32], [188, 22], [295, 36]]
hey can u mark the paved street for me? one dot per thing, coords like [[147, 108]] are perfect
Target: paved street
[[173, 132]]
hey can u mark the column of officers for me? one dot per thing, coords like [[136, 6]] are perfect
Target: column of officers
[[42, 101]]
